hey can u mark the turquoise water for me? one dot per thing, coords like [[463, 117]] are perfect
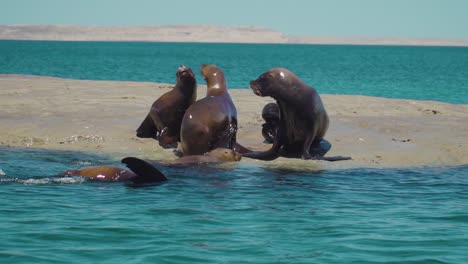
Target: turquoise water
[[245, 214], [429, 73]]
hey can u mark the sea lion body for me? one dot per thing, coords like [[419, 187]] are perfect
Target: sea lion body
[[101, 173], [214, 156], [210, 122], [165, 116], [143, 173], [303, 119]]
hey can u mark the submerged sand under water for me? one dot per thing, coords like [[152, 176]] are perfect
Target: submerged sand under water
[[102, 116]]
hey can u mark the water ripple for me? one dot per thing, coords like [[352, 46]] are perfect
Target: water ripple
[[251, 215]]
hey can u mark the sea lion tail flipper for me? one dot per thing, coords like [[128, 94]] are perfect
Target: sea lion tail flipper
[[146, 173], [262, 155]]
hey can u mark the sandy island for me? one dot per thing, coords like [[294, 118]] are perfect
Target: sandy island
[[102, 116], [201, 33]]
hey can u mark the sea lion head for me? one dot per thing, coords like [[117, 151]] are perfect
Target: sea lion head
[[271, 113], [225, 155], [272, 81], [214, 77], [185, 76]]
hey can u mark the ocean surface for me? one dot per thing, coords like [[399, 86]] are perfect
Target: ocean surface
[[424, 73], [241, 213]]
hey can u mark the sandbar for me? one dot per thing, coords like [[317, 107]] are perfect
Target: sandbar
[[101, 117]]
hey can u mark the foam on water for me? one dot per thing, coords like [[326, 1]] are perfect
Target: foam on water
[[63, 180]]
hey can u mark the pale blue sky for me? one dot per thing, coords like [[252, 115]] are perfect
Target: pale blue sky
[[393, 18]]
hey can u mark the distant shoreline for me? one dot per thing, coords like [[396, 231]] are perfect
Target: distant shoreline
[[201, 34]]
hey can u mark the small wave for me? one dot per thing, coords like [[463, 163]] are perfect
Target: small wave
[[41, 181], [2, 173], [69, 180], [35, 181], [82, 163]]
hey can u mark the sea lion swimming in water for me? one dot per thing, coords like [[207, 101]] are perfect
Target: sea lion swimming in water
[[143, 173], [210, 122], [165, 116], [303, 120]]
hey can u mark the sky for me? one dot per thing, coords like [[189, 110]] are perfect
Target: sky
[[360, 18]]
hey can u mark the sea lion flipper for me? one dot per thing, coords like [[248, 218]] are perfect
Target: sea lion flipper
[[146, 173], [240, 149], [320, 149], [334, 158], [167, 139], [271, 154], [147, 129]]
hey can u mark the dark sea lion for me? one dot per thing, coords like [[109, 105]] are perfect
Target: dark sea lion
[[165, 116], [271, 115], [142, 174], [303, 120], [210, 122]]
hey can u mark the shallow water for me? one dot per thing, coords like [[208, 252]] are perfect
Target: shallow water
[[239, 214], [407, 72]]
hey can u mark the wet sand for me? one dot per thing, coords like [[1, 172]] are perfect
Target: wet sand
[[101, 117]]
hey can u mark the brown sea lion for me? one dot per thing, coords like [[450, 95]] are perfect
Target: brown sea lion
[[210, 122], [303, 120], [214, 156], [142, 174], [165, 116]]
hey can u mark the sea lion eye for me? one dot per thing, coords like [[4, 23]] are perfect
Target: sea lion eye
[[263, 78]]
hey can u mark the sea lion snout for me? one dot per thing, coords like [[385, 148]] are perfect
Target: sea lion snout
[[185, 72], [255, 88], [208, 70], [183, 68]]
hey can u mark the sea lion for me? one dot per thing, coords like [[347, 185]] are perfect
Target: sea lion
[[165, 116], [271, 115], [142, 174], [210, 122], [214, 156], [303, 120]]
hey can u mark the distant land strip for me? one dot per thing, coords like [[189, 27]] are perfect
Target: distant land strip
[[200, 33]]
